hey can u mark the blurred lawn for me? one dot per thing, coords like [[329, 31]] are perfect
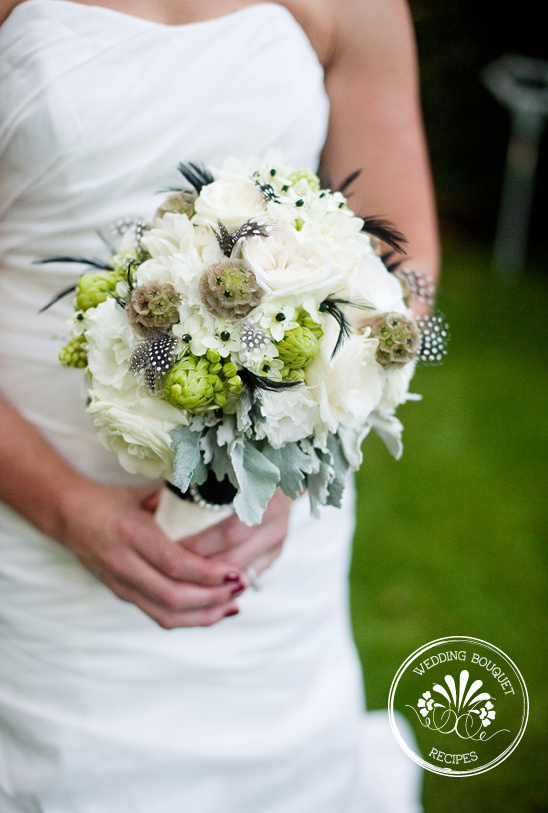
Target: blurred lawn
[[451, 539]]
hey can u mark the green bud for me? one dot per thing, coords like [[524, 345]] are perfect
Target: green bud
[[229, 370], [92, 289], [213, 355], [235, 384], [216, 368], [220, 399], [297, 348], [74, 353]]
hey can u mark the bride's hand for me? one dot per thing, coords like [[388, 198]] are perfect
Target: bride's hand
[[242, 546], [113, 533]]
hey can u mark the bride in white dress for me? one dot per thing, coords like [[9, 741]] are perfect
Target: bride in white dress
[[125, 685]]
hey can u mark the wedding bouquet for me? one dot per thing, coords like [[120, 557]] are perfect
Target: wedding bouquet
[[247, 338]]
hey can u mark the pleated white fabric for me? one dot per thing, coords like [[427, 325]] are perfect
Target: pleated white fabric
[[101, 711]]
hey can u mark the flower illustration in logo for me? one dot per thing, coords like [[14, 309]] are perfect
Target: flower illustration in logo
[[426, 703], [462, 709], [487, 713]]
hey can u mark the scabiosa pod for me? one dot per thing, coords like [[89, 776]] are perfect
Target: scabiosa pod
[[180, 203], [154, 306], [229, 289], [398, 336]]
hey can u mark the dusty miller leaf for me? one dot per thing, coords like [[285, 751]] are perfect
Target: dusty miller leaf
[[186, 445], [257, 480]]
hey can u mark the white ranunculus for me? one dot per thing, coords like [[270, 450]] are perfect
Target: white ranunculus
[[232, 200], [170, 234], [182, 271], [349, 388], [291, 415], [109, 338], [283, 263], [135, 426], [396, 387]]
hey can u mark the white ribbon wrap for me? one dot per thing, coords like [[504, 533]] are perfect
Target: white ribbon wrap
[[178, 518]]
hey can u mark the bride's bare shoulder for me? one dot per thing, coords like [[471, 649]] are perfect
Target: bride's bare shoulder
[[6, 7], [345, 31], [316, 19]]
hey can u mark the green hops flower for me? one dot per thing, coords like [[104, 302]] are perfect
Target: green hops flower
[[399, 339], [229, 289], [152, 307], [189, 384], [297, 348], [305, 174], [92, 289], [297, 374], [306, 321], [74, 353]]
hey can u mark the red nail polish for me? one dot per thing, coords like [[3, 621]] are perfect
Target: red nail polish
[[232, 577], [235, 611], [239, 587]]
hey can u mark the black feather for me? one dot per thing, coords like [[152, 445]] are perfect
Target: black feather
[[154, 358], [391, 261], [101, 264], [224, 238], [254, 383], [227, 240], [385, 231], [79, 261], [331, 306], [348, 181], [197, 176], [58, 296], [268, 191]]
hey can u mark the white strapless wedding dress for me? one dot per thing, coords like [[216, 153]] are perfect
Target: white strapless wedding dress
[[101, 711]]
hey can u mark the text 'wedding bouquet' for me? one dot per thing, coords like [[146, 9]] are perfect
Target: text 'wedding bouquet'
[[248, 338]]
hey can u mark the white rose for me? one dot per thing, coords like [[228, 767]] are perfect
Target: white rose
[[109, 338], [350, 387], [370, 283], [291, 415], [233, 201], [287, 265], [135, 426]]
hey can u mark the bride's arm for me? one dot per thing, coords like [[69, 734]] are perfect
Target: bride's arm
[[112, 532], [376, 123]]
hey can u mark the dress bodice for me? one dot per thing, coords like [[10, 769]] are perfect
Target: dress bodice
[[97, 108]]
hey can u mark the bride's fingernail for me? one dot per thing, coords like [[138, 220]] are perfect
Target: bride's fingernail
[[235, 611], [232, 577]]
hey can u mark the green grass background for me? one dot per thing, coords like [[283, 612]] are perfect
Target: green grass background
[[451, 538]]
